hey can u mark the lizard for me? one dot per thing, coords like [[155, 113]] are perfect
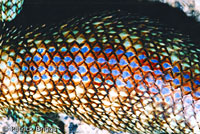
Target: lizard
[[115, 70]]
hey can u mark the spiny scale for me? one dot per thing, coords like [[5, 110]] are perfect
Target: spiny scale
[[117, 71]]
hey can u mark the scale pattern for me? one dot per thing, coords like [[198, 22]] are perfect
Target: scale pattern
[[9, 9], [117, 71]]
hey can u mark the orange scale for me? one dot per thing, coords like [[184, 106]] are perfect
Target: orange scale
[[112, 60], [166, 66], [67, 59], [62, 68], [106, 99], [51, 46], [79, 59], [109, 53], [28, 58], [70, 87], [43, 47], [51, 68], [157, 72], [151, 54], [74, 67], [109, 77], [123, 62], [186, 88], [18, 60], [43, 66], [22, 77], [36, 78], [66, 34], [56, 59], [107, 85], [81, 94], [168, 77], [72, 98], [94, 69], [72, 46], [126, 73], [50, 86], [83, 72], [96, 46], [146, 69], [37, 58], [176, 69], [134, 40], [87, 46], [130, 50], [66, 78], [100, 92], [47, 58], [24, 67], [147, 63], [90, 62], [196, 81], [176, 82], [134, 65], [123, 95], [161, 56], [119, 48], [12, 53], [105, 71], [154, 59], [186, 75], [141, 88], [140, 48], [48, 77], [132, 94], [115, 72], [61, 49], [27, 74], [86, 80], [142, 56], [138, 76], [130, 85], [196, 94], [32, 67], [101, 60]]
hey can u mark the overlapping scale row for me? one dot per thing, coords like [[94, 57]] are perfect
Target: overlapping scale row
[[117, 71], [9, 9]]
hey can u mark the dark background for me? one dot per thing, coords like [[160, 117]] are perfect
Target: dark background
[[53, 11]]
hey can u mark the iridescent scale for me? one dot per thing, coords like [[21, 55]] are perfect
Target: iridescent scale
[[117, 71], [9, 9]]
